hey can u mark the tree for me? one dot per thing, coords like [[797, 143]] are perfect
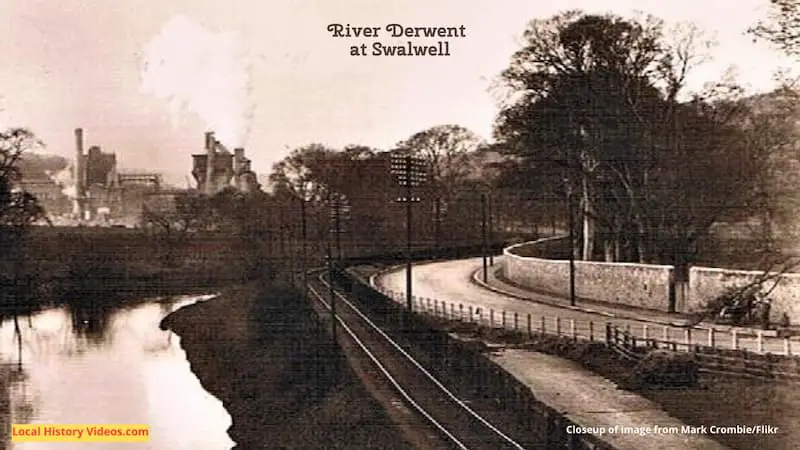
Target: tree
[[593, 108], [446, 149], [172, 220], [783, 26], [18, 211]]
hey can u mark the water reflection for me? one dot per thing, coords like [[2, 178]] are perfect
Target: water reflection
[[95, 364], [89, 320]]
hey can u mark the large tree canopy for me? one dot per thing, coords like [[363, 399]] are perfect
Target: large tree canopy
[[593, 109]]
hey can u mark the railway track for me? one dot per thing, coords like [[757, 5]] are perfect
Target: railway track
[[453, 420]]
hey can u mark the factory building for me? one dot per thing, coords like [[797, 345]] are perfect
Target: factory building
[[217, 168], [102, 194]]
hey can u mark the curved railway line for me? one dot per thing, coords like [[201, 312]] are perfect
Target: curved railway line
[[456, 423]]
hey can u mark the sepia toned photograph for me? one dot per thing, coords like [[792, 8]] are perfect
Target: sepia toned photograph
[[400, 224]]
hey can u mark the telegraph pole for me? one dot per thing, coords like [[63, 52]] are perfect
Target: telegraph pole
[[571, 226], [331, 290], [491, 232], [304, 237], [484, 237], [410, 172], [409, 295]]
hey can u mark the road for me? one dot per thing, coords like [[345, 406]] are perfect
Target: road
[[450, 281]]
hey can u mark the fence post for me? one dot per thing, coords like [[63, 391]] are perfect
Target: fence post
[[688, 334], [452, 311], [760, 341], [666, 334], [787, 350], [516, 321], [558, 326], [530, 331], [608, 333], [491, 318], [572, 329], [711, 337], [503, 313], [644, 333], [734, 339], [460, 312], [591, 331], [543, 327], [471, 313]]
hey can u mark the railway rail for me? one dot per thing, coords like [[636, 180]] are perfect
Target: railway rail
[[456, 423]]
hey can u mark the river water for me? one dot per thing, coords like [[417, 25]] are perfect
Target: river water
[[107, 367]]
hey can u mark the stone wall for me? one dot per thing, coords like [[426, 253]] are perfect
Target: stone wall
[[706, 283], [635, 285]]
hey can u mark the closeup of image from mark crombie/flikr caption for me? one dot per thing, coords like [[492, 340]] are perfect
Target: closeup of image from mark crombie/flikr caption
[[428, 40]]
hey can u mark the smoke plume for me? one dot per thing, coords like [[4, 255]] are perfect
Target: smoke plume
[[199, 71]]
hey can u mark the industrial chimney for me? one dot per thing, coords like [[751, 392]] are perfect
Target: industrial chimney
[[210, 151], [79, 174], [238, 159]]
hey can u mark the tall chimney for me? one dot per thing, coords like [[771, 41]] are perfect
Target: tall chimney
[[210, 151], [80, 179], [238, 159]]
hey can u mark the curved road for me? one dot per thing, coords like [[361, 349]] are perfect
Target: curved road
[[450, 281]]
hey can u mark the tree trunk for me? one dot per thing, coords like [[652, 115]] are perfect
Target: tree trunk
[[588, 223], [608, 249], [642, 242]]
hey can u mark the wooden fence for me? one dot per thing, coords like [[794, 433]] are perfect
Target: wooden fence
[[715, 351], [459, 363]]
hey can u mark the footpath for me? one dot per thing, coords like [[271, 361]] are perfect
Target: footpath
[[623, 419], [497, 283]]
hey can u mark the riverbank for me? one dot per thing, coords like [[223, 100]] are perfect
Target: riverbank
[[257, 349]]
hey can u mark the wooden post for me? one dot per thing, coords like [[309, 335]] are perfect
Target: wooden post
[[591, 331], [516, 321], [543, 327], [572, 329], [760, 341], [787, 349], [558, 326], [491, 318], [666, 334], [734, 340], [530, 331]]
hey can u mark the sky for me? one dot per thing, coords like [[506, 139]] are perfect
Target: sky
[[145, 79]]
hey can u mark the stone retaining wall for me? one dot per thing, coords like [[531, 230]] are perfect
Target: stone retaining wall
[[637, 285], [706, 283]]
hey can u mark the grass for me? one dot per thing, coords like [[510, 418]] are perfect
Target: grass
[[256, 348]]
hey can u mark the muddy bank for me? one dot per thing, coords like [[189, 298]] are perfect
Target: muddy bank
[[257, 349]]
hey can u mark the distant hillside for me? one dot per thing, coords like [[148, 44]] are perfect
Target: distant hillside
[[35, 165]]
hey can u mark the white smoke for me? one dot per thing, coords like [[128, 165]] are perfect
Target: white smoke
[[203, 72], [65, 179]]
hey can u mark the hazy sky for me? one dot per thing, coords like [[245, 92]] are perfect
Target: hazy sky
[[78, 63]]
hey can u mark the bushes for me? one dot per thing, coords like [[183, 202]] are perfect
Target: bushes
[[662, 368]]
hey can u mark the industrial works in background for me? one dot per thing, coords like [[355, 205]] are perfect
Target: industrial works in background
[[94, 191]]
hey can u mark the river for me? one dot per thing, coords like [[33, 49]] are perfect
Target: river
[[107, 367]]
